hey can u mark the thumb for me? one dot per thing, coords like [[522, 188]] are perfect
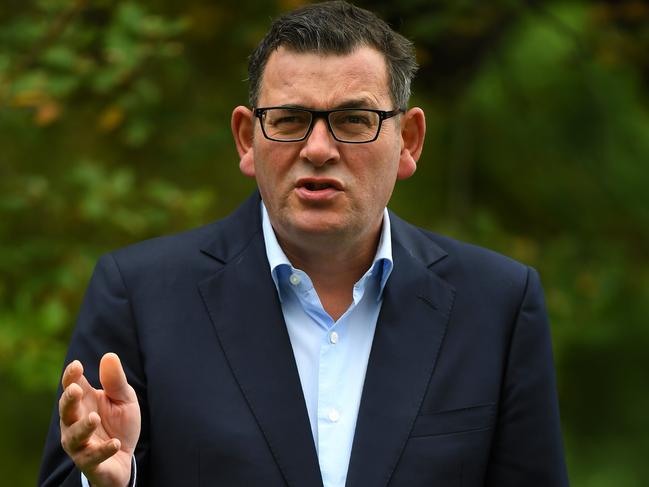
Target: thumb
[[113, 379]]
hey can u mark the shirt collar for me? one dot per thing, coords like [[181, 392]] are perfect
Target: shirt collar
[[381, 265]]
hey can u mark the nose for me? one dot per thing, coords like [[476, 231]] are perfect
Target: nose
[[320, 147]]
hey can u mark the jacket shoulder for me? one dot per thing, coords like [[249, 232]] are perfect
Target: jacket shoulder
[[460, 262], [219, 240]]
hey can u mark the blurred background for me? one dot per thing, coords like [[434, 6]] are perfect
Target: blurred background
[[114, 127]]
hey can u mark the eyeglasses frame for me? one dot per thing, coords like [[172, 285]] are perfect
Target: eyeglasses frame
[[324, 114]]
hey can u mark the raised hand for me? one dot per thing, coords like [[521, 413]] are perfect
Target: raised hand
[[100, 428]]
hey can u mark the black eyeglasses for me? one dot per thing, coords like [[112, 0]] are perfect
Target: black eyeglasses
[[350, 125]]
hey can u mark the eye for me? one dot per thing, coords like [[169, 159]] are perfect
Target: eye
[[284, 118], [354, 119], [287, 119]]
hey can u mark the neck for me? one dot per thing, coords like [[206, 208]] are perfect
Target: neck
[[334, 269]]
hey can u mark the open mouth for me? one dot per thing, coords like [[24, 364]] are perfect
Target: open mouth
[[319, 184]]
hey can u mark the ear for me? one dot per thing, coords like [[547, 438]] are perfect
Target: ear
[[413, 131], [242, 124]]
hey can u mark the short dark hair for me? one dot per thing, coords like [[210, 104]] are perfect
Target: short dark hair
[[336, 27]]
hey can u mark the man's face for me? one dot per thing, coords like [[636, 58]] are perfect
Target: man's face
[[319, 186]]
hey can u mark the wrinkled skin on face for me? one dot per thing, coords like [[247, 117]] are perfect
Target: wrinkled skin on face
[[321, 193]]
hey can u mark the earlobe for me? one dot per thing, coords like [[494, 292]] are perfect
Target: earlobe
[[242, 130], [413, 132], [407, 165], [247, 165]]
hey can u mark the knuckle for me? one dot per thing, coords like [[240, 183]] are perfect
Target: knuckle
[[65, 398]]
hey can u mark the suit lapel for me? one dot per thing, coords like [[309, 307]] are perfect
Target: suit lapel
[[242, 302], [409, 333]]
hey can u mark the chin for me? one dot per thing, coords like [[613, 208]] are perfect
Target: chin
[[317, 226]]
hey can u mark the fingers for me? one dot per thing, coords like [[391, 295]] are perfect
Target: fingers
[[90, 457], [72, 373], [75, 388], [70, 404], [113, 379], [84, 434], [86, 450], [77, 435]]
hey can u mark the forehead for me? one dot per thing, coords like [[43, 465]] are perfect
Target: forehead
[[322, 81]]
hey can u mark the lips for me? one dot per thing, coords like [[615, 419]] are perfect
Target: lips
[[319, 184], [318, 191]]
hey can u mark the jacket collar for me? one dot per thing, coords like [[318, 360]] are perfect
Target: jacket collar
[[232, 234]]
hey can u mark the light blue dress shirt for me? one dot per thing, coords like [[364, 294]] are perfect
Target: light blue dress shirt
[[331, 356]]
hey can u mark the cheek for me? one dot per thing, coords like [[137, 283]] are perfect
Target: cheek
[[273, 167], [375, 188], [382, 165], [382, 179]]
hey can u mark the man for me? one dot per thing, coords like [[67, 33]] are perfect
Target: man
[[312, 338]]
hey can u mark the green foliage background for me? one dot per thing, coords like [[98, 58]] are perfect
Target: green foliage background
[[114, 127]]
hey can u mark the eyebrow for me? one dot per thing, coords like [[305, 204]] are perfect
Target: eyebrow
[[357, 103], [353, 103]]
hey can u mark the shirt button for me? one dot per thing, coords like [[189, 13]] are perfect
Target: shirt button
[[294, 279], [334, 415], [333, 337]]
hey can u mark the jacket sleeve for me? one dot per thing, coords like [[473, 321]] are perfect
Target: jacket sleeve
[[527, 448], [105, 324]]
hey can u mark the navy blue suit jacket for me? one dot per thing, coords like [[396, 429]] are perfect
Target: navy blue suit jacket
[[459, 392]]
